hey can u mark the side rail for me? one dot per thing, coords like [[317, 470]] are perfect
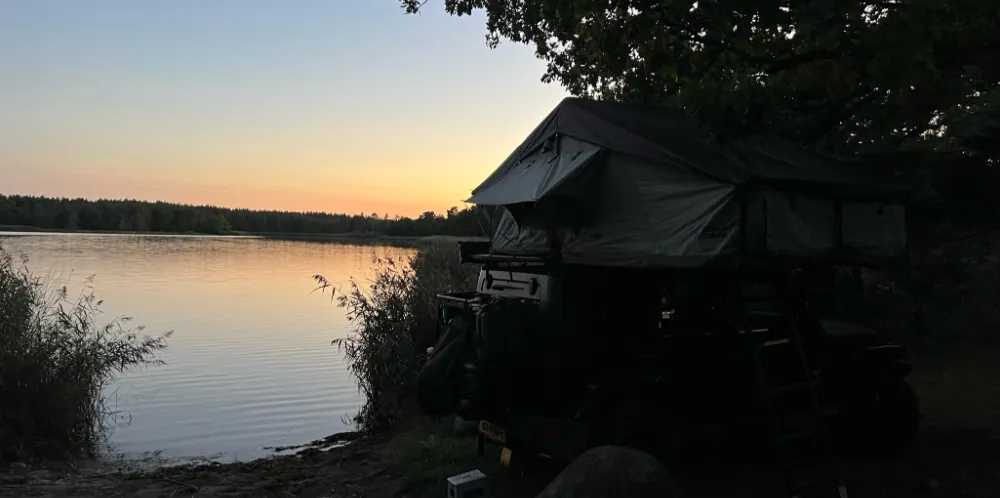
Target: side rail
[[478, 252], [468, 250]]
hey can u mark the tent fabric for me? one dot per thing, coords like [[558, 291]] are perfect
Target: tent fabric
[[637, 130], [641, 216], [783, 165], [620, 185], [539, 174], [666, 137]]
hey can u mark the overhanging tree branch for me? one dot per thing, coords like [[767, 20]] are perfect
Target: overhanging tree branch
[[797, 60], [831, 81], [836, 119]]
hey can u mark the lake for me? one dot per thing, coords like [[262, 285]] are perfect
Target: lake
[[249, 365]]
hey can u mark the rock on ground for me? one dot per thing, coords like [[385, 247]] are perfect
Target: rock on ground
[[611, 471]]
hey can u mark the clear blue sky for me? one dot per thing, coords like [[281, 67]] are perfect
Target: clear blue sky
[[333, 105]]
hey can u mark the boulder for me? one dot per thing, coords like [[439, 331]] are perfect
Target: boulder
[[612, 471]]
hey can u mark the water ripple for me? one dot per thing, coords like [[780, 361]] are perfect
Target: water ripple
[[250, 364]]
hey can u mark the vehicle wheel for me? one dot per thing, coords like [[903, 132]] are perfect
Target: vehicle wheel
[[883, 423]]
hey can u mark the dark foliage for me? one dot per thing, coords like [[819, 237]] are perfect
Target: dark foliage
[[55, 360], [139, 216], [394, 315], [854, 76]]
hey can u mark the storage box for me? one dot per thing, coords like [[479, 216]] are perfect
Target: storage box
[[472, 484]]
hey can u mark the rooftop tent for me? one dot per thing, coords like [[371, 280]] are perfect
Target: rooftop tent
[[615, 184]]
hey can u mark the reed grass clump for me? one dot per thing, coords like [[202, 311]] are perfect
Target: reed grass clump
[[55, 362], [394, 314]]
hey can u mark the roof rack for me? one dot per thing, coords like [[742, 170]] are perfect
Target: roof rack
[[479, 252]]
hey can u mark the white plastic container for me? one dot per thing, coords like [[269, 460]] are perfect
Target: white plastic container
[[471, 484]]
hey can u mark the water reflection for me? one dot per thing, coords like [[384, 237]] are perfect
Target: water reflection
[[250, 363]]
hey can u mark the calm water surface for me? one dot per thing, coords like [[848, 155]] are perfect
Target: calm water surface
[[249, 365]]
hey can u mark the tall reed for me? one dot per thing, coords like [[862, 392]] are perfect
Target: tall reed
[[55, 362], [394, 317]]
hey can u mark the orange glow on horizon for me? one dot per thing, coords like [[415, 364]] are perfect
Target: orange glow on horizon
[[275, 199], [404, 193], [349, 108]]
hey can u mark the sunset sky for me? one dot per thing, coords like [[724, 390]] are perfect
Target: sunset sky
[[329, 105]]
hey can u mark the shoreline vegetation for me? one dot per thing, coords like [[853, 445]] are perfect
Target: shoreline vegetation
[[57, 353]]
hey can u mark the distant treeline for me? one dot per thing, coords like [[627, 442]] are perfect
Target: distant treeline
[[140, 216]]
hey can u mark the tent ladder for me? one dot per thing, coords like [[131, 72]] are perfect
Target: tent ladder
[[789, 426]]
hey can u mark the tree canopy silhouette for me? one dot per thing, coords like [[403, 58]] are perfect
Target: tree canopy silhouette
[[131, 215], [872, 76]]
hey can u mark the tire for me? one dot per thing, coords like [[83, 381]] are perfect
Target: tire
[[881, 423]]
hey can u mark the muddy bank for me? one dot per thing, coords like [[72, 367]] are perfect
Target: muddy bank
[[415, 462], [374, 466]]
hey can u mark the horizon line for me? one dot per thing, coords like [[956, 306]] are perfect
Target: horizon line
[[462, 205]]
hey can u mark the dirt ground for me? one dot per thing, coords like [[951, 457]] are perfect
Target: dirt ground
[[952, 460], [415, 463]]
